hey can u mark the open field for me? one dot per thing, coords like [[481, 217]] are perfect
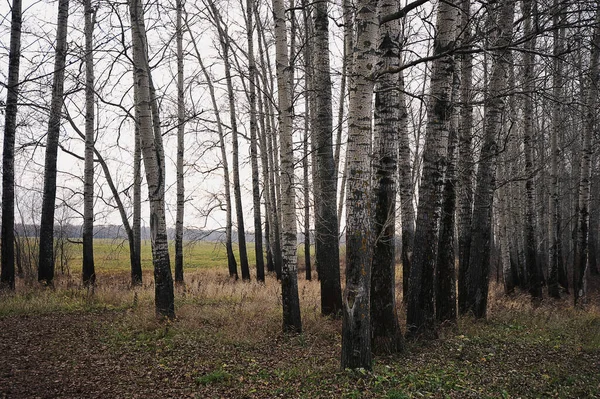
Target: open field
[[227, 343]]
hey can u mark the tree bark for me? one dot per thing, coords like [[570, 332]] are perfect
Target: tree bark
[[46, 250], [445, 289], [385, 331], [154, 163], [420, 309], [533, 277], [554, 205], [466, 165], [356, 324], [289, 269], [481, 227], [258, 243], [326, 221], [180, 147], [135, 244], [88, 271], [7, 274], [581, 245]]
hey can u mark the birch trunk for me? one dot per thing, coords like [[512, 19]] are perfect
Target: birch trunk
[[224, 40], [88, 271], [289, 272], [406, 188], [271, 160], [385, 330], [258, 243], [554, 205], [356, 325], [136, 236], [180, 147], [533, 278], [420, 309], [326, 222], [154, 163], [581, 246], [305, 142], [465, 162], [7, 274], [481, 227], [46, 250], [445, 289]]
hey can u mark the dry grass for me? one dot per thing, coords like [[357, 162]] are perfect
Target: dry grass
[[227, 342]]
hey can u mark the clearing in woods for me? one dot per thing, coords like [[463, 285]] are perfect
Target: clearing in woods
[[227, 343]]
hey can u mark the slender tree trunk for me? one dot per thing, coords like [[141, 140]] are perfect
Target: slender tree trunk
[[289, 271], [406, 188], [180, 147], [154, 162], [88, 271], [348, 11], [385, 330], [326, 222], [481, 227], [272, 168], [231, 262], [420, 309], [581, 246], [264, 158], [445, 289], [534, 280], [135, 244], [305, 142], [237, 188], [46, 250], [258, 244], [7, 275], [465, 162], [356, 325], [554, 205]]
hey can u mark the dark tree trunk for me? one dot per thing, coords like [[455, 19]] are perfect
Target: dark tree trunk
[[258, 242], [154, 163], [385, 331], [420, 310], [481, 227], [7, 275], [180, 147], [88, 271], [445, 295], [46, 250], [326, 223], [135, 241]]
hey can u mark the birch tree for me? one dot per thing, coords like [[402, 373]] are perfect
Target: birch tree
[[88, 271], [7, 263], [258, 243], [581, 244], [180, 145], [154, 164], [292, 321], [385, 330], [326, 221], [420, 309], [46, 249], [481, 227], [356, 324]]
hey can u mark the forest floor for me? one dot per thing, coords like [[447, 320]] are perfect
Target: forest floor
[[227, 343]]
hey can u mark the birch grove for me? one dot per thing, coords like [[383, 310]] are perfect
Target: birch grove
[[416, 158]]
